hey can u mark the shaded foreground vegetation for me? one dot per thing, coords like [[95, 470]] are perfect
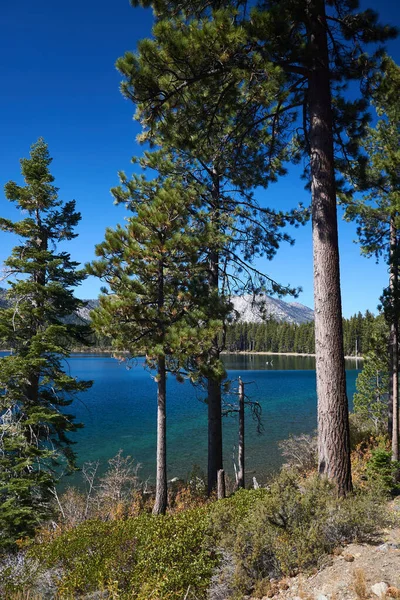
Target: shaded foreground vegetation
[[111, 543]]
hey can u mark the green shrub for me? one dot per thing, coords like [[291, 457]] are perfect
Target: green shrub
[[142, 557], [227, 514], [296, 524], [289, 526], [382, 471]]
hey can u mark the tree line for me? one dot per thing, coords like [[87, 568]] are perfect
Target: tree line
[[276, 336], [228, 96]]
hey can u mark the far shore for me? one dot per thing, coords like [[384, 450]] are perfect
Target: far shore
[[245, 352], [91, 350]]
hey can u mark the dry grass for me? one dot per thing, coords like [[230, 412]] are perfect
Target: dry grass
[[360, 584]]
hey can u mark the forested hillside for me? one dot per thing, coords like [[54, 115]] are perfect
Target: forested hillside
[[273, 336]]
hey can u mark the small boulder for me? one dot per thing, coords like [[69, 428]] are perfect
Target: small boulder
[[348, 557], [380, 589]]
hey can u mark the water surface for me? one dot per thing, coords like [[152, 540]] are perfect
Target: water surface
[[120, 412]]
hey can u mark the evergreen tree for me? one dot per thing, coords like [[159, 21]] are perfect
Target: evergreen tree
[[305, 50], [378, 213], [371, 398], [225, 165], [35, 388], [157, 281]]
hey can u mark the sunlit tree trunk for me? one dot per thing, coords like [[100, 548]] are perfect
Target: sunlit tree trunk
[[333, 423], [394, 343]]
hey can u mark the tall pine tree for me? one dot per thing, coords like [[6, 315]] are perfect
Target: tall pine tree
[[378, 213], [224, 157], [313, 48], [158, 291], [36, 390]]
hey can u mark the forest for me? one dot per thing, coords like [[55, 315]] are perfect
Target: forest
[[229, 97], [274, 336]]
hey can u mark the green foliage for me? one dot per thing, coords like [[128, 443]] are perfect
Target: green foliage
[[295, 524], [35, 390], [360, 332], [156, 276], [371, 401], [377, 174], [148, 556], [290, 525], [382, 471]]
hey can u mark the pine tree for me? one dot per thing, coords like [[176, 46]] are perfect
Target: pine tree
[[157, 282], [226, 164], [371, 398], [305, 50], [378, 213], [35, 388]]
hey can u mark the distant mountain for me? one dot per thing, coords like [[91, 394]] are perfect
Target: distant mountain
[[247, 309], [84, 311], [256, 309]]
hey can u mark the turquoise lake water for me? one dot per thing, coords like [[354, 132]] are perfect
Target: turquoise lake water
[[120, 412]]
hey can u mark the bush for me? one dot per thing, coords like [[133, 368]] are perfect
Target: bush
[[300, 452], [382, 471], [373, 468], [296, 524], [142, 557]]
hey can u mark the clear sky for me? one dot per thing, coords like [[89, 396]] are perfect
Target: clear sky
[[58, 81]]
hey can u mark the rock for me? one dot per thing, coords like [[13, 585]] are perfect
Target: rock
[[322, 597], [296, 598], [348, 557], [393, 592], [380, 589], [383, 548], [283, 585]]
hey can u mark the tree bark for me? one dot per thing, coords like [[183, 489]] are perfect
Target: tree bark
[[333, 422], [240, 476], [161, 501], [160, 505], [394, 343], [214, 398], [215, 462], [221, 484]]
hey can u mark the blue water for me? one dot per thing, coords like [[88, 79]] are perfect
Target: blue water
[[120, 412]]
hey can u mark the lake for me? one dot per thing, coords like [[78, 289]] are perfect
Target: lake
[[120, 412]]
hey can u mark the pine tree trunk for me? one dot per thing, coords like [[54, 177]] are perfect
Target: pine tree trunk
[[160, 505], [214, 399], [221, 484], [333, 423], [240, 476], [215, 462], [394, 343]]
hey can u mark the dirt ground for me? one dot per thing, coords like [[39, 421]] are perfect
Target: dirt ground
[[352, 572]]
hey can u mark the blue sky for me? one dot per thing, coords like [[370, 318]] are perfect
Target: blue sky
[[59, 81]]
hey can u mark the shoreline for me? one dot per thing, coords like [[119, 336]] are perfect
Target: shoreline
[[247, 352], [225, 352]]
